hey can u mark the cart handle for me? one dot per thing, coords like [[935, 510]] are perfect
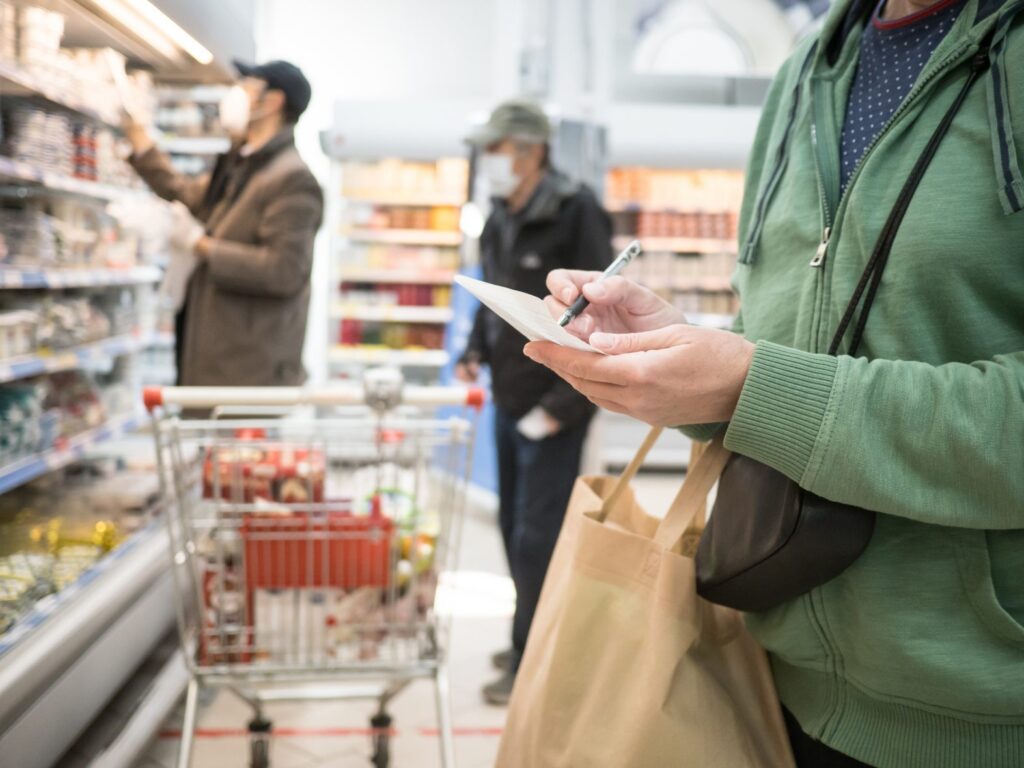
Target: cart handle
[[211, 397]]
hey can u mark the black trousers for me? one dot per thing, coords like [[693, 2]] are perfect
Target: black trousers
[[535, 479], [810, 753]]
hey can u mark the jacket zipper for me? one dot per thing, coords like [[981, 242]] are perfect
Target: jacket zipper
[[829, 188], [829, 209]]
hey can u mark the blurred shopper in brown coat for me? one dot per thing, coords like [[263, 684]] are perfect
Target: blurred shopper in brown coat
[[244, 319]]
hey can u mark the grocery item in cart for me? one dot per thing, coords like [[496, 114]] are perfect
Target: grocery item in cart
[[243, 474]]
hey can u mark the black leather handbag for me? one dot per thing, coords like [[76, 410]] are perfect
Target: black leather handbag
[[768, 540]]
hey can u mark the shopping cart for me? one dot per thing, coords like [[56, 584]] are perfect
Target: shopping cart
[[306, 550]]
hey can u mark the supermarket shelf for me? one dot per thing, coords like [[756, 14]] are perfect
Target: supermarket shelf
[[708, 284], [368, 355], [405, 236], [31, 467], [15, 170], [77, 278], [396, 276], [631, 206], [23, 367], [393, 314], [678, 244], [194, 145], [17, 81], [712, 321], [411, 199]]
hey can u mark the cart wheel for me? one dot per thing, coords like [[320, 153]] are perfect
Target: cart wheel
[[259, 743], [381, 725]]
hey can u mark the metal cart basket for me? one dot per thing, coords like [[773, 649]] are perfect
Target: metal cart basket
[[307, 547]]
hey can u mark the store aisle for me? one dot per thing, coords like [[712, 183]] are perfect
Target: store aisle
[[334, 735]]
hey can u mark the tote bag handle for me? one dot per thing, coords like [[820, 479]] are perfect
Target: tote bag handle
[[630, 471], [683, 514]]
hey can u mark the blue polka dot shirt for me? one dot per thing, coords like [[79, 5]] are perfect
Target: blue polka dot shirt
[[892, 55]]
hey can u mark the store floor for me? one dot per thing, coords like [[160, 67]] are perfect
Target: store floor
[[334, 734]]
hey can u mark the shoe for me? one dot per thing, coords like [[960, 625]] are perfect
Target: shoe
[[499, 692], [503, 659]]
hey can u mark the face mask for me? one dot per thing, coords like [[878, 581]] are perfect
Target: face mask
[[496, 169], [234, 110]]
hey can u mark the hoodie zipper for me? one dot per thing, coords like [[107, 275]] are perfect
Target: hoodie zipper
[[828, 188], [830, 196]]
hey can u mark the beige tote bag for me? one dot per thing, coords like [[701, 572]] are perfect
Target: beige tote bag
[[626, 667]]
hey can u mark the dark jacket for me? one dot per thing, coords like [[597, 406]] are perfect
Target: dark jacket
[[247, 302], [563, 225]]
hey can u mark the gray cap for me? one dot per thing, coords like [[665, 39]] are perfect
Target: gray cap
[[513, 119]]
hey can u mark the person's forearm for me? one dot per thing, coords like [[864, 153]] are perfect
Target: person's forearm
[[936, 444]]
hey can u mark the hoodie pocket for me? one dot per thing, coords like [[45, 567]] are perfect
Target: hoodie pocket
[[976, 571]]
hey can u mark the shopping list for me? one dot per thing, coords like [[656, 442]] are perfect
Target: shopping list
[[526, 313]]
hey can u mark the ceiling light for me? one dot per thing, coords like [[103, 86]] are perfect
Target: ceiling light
[[155, 26]]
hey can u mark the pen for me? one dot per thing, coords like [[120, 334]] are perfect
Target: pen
[[630, 252]]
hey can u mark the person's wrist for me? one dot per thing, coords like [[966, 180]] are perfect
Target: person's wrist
[[202, 247], [140, 139]]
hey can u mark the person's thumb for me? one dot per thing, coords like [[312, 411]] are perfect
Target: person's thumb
[[624, 343]]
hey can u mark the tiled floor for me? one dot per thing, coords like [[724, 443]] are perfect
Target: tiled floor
[[309, 735]]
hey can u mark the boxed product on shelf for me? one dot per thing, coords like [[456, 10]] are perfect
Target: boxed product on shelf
[[43, 138], [78, 400], [720, 225], [8, 31], [77, 237], [437, 218], [57, 143], [391, 335], [674, 189], [66, 322], [39, 36], [28, 237], [189, 112], [17, 333], [26, 427], [395, 294], [388, 179], [92, 71], [406, 259]]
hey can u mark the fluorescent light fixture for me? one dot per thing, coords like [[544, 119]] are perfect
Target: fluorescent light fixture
[[156, 27]]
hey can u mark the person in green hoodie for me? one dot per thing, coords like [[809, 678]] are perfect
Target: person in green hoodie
[[913, 657]]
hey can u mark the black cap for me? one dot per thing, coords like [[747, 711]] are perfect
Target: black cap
[[283, 76]]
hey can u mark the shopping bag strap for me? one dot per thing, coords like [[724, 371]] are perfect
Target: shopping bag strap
[[630, 471], [683, 514]]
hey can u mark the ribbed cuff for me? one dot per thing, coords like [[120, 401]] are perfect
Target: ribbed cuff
[[702, 433], [782, 406]]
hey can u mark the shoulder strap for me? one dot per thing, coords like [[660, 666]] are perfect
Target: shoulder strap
[[872, 275]]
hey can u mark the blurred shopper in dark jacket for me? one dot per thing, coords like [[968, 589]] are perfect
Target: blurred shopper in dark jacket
[[540, 221], [244, 318]]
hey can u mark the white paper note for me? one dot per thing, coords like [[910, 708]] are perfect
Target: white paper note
[[526, 313]]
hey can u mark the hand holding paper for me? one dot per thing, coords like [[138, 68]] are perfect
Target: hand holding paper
[[526, 313]]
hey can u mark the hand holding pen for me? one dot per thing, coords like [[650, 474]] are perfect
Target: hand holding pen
[[621, 261], [615, 304]]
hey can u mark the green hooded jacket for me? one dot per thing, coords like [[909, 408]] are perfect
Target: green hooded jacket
[[914, 656]]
